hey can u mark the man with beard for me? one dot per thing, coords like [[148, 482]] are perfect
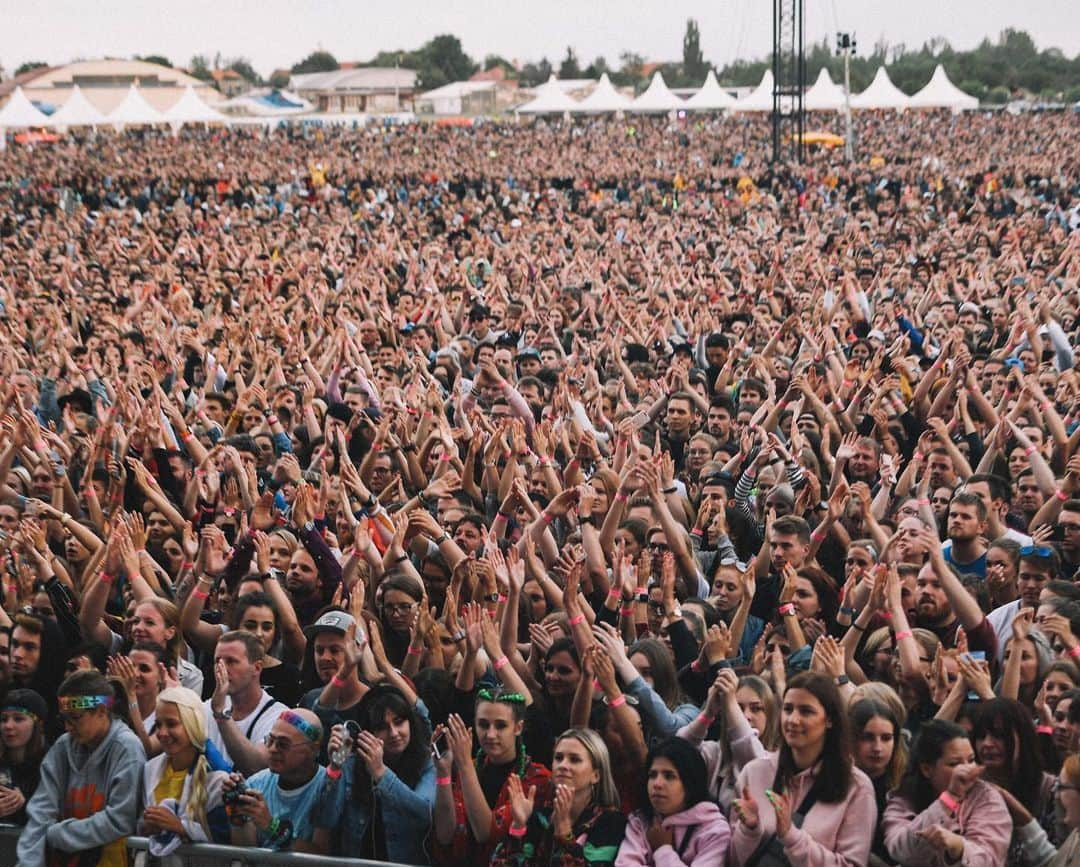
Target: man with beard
[[965, 549], [943, 603]]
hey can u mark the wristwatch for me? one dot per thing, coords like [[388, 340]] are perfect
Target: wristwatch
[[586, 519], [223, 715], [841, 679]]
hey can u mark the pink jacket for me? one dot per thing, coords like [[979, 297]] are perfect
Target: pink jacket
[[983, 821], [707, 847], [832, 835]]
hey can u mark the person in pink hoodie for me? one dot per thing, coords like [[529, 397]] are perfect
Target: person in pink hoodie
[[812, 775], [680, 824], [942, 813]]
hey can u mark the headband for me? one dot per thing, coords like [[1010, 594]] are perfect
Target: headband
[[309, 730], [506, 697], [14, 708], [84, 702]]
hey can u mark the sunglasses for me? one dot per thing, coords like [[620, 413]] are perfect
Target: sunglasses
[[1036, 551]]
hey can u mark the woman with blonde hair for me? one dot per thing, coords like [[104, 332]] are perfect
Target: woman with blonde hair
[[181, 791], [584, 826]]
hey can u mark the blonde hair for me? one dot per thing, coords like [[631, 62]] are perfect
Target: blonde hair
[[606, 794], [170, 614], [193, 719]]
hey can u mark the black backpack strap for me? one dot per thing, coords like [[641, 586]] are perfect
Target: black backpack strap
[[258, 714], [686, 840]]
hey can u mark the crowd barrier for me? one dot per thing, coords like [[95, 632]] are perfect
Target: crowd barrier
[[204, 854]]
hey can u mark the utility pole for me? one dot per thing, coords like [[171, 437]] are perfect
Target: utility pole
[[845, 45], [789, 80]]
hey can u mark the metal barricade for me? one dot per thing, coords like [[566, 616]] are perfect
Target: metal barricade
[[205, 854]]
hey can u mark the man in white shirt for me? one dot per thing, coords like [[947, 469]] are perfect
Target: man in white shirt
[[241, 713]]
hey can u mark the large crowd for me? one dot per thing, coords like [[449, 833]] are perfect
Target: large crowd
[[591, 494]]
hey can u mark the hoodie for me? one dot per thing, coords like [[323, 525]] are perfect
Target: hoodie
[[701, 833], [86, 800]]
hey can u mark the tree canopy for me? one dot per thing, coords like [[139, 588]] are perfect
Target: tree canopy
[[317, 61]]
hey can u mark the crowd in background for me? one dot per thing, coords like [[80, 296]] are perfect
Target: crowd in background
[[544, 494]]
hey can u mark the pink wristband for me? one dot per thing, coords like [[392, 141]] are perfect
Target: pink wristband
[[414, 651], [786, 609], [1030, 450], [627, 611], [199, 594], [706, 719], [442, 781], [515, 831], [1061, 495], [546, 518], [949, 801], [614, 593], [621, 497], [618, 701], [338, 682], [902, 634], [501, 662], [1074, 653], [333, 773], [1044, 730], [502, 598], [577, 621]]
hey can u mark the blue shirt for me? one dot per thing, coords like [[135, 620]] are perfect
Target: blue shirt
[[296, 805], [976, 567]]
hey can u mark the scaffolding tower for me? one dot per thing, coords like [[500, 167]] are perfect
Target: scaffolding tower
[[789, 80]]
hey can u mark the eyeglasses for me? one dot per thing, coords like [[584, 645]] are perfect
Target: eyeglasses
[[658, 546], [1063, 787], [1070, 528], [399, 607], [283, 744], [1036, 551]]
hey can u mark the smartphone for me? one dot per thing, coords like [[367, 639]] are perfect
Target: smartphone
[[975, 656], [439, 746], [640, 420]]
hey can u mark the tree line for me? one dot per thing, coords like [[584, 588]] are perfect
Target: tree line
[[994, 71]]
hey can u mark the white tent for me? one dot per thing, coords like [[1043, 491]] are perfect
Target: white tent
[[549, 99], [19, 112], [190, 108], [604, 98], [657, 97], [711, 97], [77, 111], [940, 92], [760, 98], [881, 93], [825, 95], [133, 110], [267, 102]]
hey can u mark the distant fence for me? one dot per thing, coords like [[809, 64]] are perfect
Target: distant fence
[[205, 854]]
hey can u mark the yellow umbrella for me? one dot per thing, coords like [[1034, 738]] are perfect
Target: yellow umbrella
[[820, 137]]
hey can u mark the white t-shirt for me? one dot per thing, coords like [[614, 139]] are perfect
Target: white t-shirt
[[255, 726]]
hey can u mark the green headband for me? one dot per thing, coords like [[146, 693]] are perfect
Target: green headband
[[506, 697], [14, 708]]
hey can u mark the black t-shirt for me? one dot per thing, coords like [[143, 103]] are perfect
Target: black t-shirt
[[284, 683]]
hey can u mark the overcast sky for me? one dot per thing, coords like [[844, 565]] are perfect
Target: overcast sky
[[275, 33]]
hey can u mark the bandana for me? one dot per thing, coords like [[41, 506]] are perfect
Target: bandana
[[309, 730], [13, 708], [84, 702]]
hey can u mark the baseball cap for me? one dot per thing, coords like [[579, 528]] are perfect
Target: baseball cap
[[331, 621]]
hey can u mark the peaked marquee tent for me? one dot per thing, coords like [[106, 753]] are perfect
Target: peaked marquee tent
[[940, 92], [760, 98], [190, 108], [19, 112], [825, 94], [711, 97], [881, 94], [657, 97], [133, 110], [604, 98], [77, 111], [549, 99]]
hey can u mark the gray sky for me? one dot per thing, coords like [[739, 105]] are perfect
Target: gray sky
[[273, 33]]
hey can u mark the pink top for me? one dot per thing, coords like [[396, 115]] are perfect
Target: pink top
[[983, 821], [832, 835]]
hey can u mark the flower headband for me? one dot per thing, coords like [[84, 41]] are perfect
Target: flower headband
[[309, 730], [84, 702], [507, 697]]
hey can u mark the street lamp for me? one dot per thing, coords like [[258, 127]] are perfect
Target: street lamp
[[845, 45]]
